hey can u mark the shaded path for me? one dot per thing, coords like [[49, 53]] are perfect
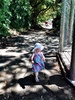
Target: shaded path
[[16, 78]]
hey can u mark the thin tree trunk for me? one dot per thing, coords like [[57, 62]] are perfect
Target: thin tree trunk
[[65, 18], [71, 22], [62, 29], [67, 21], [72, 66]]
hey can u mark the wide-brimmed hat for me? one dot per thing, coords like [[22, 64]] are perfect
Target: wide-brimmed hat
[[38, 46]]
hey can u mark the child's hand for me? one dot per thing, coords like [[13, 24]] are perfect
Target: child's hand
[[32, 62]]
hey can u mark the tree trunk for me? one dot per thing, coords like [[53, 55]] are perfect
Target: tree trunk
[[67, 21], [62, 29], [71, 22], [72, 66]]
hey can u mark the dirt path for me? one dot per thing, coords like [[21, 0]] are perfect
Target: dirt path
[[16, 78]]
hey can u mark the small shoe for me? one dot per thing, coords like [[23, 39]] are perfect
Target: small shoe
[[37, 80]]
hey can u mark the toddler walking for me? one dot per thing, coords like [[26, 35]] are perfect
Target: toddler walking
[[37, 59]]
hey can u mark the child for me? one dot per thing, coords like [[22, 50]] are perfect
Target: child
[[37, 59]]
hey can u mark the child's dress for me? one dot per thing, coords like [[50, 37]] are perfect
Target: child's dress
[[38, 62]]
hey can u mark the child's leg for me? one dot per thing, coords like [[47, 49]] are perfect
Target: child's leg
[[36, 77]]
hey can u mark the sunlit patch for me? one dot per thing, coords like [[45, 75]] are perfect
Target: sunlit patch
[[34, 89], [2, 84], [19, 75], [2, 91], [15, 66], [17, 88], [66, 91], [54, 87]]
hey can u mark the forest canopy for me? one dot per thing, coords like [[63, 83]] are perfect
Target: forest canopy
[[17, 14]]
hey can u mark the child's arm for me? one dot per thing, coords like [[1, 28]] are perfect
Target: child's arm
[[43, 57], [31, 58]]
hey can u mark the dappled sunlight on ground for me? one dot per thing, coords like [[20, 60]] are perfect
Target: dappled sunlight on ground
[[16, 77]]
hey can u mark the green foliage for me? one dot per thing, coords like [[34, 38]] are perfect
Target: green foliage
[[44, 10], [4, 16], [20, 10], [20, 14]]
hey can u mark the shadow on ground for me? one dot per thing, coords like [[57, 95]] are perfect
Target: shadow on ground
[[16, 77]]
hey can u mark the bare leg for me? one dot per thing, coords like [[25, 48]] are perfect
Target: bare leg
[[36, 77]]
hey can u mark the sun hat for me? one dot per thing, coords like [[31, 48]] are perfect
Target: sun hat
[[38, 45]]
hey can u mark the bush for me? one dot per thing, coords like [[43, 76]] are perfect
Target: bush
[[4, 16]]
